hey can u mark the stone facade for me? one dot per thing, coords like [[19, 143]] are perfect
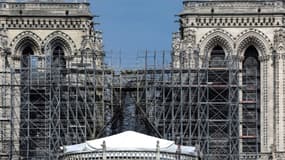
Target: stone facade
[[250, 32], [40, 26], [235, 26]]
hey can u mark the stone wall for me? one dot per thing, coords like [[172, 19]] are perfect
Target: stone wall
[[236, 25]]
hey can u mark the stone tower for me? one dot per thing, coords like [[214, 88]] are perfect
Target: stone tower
[[252, 34], [47, 48]]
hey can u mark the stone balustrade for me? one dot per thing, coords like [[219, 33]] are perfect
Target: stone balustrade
[[57, 8], [232, 6]]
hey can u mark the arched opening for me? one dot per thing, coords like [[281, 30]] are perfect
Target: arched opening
[[58, 91], [28, 113], [58, 59], [217, 58], [28, 63], [219, 97], [251, 101], [26, 53]]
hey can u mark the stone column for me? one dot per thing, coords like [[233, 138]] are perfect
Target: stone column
[[281, 112], [240, 80], [279, 102], [176, 50], [266, 103], [13, 99], [279, 90]]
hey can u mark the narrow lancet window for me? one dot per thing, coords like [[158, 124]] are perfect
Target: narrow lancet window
[[251, 101], [217, 58]]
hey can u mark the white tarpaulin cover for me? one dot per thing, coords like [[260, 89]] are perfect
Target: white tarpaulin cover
[[129, 141]]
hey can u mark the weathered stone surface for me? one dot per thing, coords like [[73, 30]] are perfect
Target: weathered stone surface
[[42, 26], [236, 25]]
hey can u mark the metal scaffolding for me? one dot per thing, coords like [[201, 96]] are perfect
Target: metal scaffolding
[[193, 106], [49, 101], [250, 117], [55, 100]]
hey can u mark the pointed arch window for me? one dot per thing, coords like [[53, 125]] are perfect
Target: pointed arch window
[[58, 59], [251, 99], [217, 57], [26, 53], [29, 63], [251, 63]]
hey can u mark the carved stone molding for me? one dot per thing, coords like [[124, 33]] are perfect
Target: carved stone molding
[[3, 39], [216, 37], [216, 31], [264, 58], [237, 58], [280, 155], [23, 39], [227, 4], [190, 37], [60, 37], [4, 43], [98, 41], [279, 41], [256, 38], [176, 43]]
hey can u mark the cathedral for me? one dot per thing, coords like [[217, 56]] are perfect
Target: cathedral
[[48, 48], [222, 93], [247, 36]]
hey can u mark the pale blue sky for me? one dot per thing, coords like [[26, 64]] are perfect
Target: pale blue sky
[[133, 26]]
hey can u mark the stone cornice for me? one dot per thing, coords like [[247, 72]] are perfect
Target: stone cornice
[[232, 21], [242, 7], [45, 9]]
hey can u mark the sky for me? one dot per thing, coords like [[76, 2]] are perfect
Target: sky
[[132, 26]]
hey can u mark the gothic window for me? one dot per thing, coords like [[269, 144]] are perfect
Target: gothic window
[[251, 101], [58, 59], [25, 98], [217, 57], [251, 63], [27, 52], [29, 63]]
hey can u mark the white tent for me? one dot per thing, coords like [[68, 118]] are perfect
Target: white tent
[[130, 141]]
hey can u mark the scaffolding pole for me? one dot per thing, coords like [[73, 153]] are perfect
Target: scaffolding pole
[[193, 106], [48, 101]]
